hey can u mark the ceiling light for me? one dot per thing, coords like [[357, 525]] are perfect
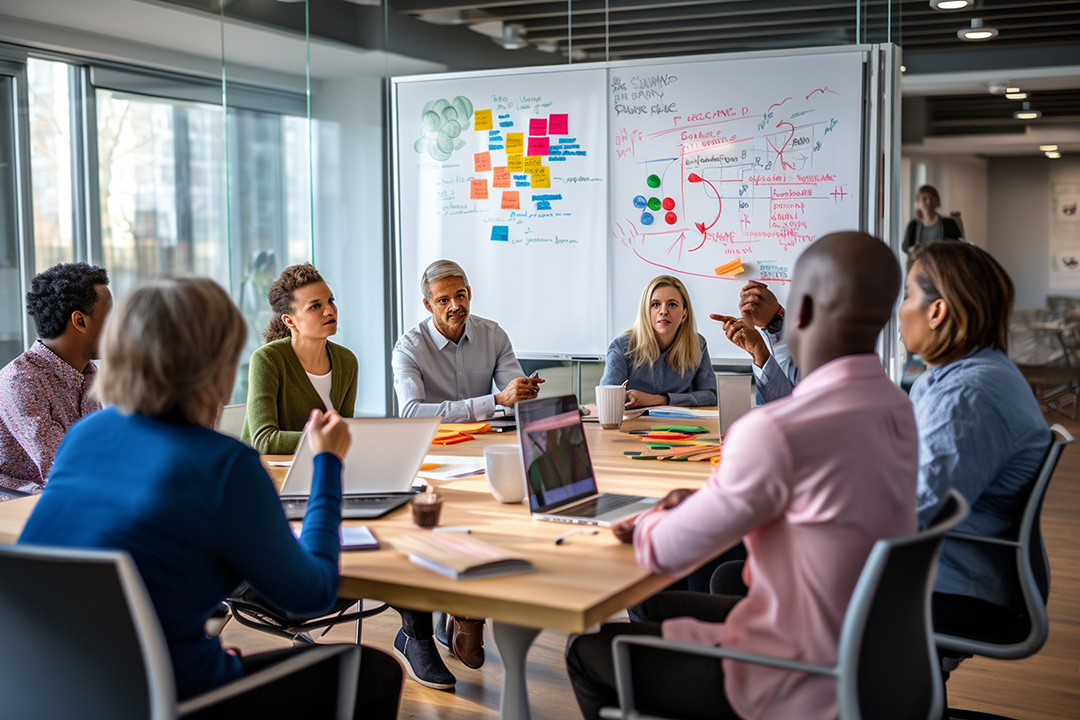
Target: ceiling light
[[977, 31], [1027, 113], [513, 37], [1012, 89], [1047, 148], [1016, 96], [951, 4], [1053, 155], [903, 69]]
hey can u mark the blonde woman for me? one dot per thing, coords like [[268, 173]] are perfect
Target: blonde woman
[[662, 358], [193, 507]]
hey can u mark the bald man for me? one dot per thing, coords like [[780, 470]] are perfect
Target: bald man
[[838, 474]]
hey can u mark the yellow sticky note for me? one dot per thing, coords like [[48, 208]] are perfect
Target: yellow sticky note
[[515, 143], [515, 163], [541, 177], [502, 178], [532, 162], [482, 119]]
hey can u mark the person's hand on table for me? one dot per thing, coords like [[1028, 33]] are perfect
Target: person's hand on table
[[673, 498], [637, 398], [743, 335], [624, 529], [327, 432], [519, 389], [757, 303]]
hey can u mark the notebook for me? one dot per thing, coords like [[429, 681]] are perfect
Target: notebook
[[558, 471], [378, 472]]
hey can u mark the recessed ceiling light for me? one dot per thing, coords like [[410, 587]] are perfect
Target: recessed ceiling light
[[1053, 155], [1048, 148], [977, 31], [903, 69], [1027, 113], [951, 4], [1012, 89], [1016, 96]]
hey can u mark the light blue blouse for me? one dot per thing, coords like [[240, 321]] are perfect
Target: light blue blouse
[[694, 388]]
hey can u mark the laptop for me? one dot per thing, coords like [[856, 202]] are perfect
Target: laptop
[[378, 472], [559, 476]]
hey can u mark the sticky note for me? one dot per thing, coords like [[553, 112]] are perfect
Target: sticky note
[[500, 233], [538, 126], [532, 162], [730, 268], [482, 119], [538, 145], [515, 163], [511, 200], [502, 178], [558, 124], [541, 177], [478, 189], [482, 161], [515, 143]]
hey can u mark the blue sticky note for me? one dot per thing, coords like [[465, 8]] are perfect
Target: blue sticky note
[[500, 233]]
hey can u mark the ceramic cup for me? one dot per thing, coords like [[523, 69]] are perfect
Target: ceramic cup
[[505, 477], [610, 403]]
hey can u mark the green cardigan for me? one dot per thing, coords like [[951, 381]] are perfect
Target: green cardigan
[[281, 397]]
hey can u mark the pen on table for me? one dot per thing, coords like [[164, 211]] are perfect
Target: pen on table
[[580, 531], [453, 528]]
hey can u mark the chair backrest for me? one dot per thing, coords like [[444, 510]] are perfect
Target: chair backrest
[[81, 638], [231, 420], [887, 659]]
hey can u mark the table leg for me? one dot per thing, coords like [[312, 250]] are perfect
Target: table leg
[[513, 642]]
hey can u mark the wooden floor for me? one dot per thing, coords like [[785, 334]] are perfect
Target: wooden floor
[[1039, 688]]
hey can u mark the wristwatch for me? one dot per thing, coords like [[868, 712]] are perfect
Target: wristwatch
[[777, 323]]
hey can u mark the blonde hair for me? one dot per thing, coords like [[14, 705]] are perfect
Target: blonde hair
[[170, 349], [684, 355]]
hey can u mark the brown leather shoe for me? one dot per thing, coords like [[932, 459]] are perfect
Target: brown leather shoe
[[467, 641]]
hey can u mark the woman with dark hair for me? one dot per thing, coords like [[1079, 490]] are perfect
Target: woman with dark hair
[[298, 368], [927, 226], [980, 428]]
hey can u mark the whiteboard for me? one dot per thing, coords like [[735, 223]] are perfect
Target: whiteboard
[[531, 237], [748, 159]]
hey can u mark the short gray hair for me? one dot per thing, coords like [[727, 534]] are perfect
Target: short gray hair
[[437, 271]]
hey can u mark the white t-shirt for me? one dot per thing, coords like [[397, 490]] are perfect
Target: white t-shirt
[[322, 385]]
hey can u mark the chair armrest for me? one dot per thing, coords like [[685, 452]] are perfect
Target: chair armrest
[[622, 650], [229, 701], [981, 539]]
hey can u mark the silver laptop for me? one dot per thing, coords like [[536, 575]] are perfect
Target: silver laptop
[[558, 471], [378, 472]]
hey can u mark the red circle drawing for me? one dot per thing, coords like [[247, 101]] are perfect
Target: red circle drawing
[[671, 218], [669, 204]]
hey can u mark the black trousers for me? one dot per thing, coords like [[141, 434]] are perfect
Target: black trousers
[[378, 689], [678, 685]]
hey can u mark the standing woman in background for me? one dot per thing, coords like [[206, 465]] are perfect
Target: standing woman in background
[[298, 369], [927, 226], [662, 358]]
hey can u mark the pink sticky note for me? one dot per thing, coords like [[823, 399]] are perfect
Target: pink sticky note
[[478, 189], [510, 200], [482, 161], [558, 124], [538, 126], [538, 145], [502, 178]]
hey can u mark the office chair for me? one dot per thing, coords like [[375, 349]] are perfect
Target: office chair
[[231, 420], [887, 665], [83, 640], [1033, 572], [249, 609]]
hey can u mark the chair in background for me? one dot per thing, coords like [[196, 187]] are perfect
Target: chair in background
[[82, 639], [231, 420], [1047, 352], [1033, 572], [887, 665], [250, 610]]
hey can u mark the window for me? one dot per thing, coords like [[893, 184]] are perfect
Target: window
[[50, 162]]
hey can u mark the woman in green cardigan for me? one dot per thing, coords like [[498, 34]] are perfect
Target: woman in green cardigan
[[298, 368]]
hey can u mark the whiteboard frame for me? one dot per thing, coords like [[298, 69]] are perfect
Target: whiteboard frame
[[880, 175]]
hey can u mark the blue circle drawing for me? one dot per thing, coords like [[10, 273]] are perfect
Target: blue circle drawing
[[640, 202], [646, 218]]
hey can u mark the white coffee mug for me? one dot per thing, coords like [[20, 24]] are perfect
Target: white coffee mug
[[505, 476], [610, 404]]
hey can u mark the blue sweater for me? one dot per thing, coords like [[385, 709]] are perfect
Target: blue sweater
[[696, 387], [198, 513]]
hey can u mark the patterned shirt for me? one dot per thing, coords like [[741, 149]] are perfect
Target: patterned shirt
[[41, 396]]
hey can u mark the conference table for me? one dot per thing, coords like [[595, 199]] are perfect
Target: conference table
[[575, 585]]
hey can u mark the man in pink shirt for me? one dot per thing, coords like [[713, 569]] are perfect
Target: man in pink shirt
[[808, 483]]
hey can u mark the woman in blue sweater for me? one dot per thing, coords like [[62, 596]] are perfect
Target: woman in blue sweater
[[662, 358], [194, 508]]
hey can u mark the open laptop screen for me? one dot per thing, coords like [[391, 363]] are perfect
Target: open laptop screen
[[553, 451]]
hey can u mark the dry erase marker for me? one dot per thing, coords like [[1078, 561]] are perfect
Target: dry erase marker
[[580, 531]]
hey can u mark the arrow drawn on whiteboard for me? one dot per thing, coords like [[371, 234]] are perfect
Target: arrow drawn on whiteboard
[[678, 241], [702, 227], [780, 153]]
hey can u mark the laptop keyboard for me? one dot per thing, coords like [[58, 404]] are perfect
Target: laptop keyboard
[[601, 504], [352, 502]]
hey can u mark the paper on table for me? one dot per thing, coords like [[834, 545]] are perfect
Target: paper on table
[[279, 463], [451, 466], [671, 411]]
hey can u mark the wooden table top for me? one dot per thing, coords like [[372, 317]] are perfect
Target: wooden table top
[[575, 585]]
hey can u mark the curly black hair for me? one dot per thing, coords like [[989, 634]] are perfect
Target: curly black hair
[[61, 290]]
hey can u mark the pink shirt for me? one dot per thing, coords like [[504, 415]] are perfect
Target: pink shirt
[[41, 396], [809, 483]]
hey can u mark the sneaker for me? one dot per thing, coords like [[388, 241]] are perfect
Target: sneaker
[[422, 662]]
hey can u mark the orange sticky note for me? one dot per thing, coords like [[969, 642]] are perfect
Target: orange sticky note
[[515, 163], [532, 162], [541, 177], [482, 119], [502, 178], [511, 200], [482, 161], [478, 189], [515, 143], [730, 268]]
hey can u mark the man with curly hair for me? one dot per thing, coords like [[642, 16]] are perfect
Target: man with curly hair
[[45, 390]]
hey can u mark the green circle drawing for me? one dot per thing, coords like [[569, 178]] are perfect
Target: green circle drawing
[[653, 181], [654, 203]]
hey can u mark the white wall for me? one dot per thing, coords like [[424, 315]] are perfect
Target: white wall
[[1019, 220]]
